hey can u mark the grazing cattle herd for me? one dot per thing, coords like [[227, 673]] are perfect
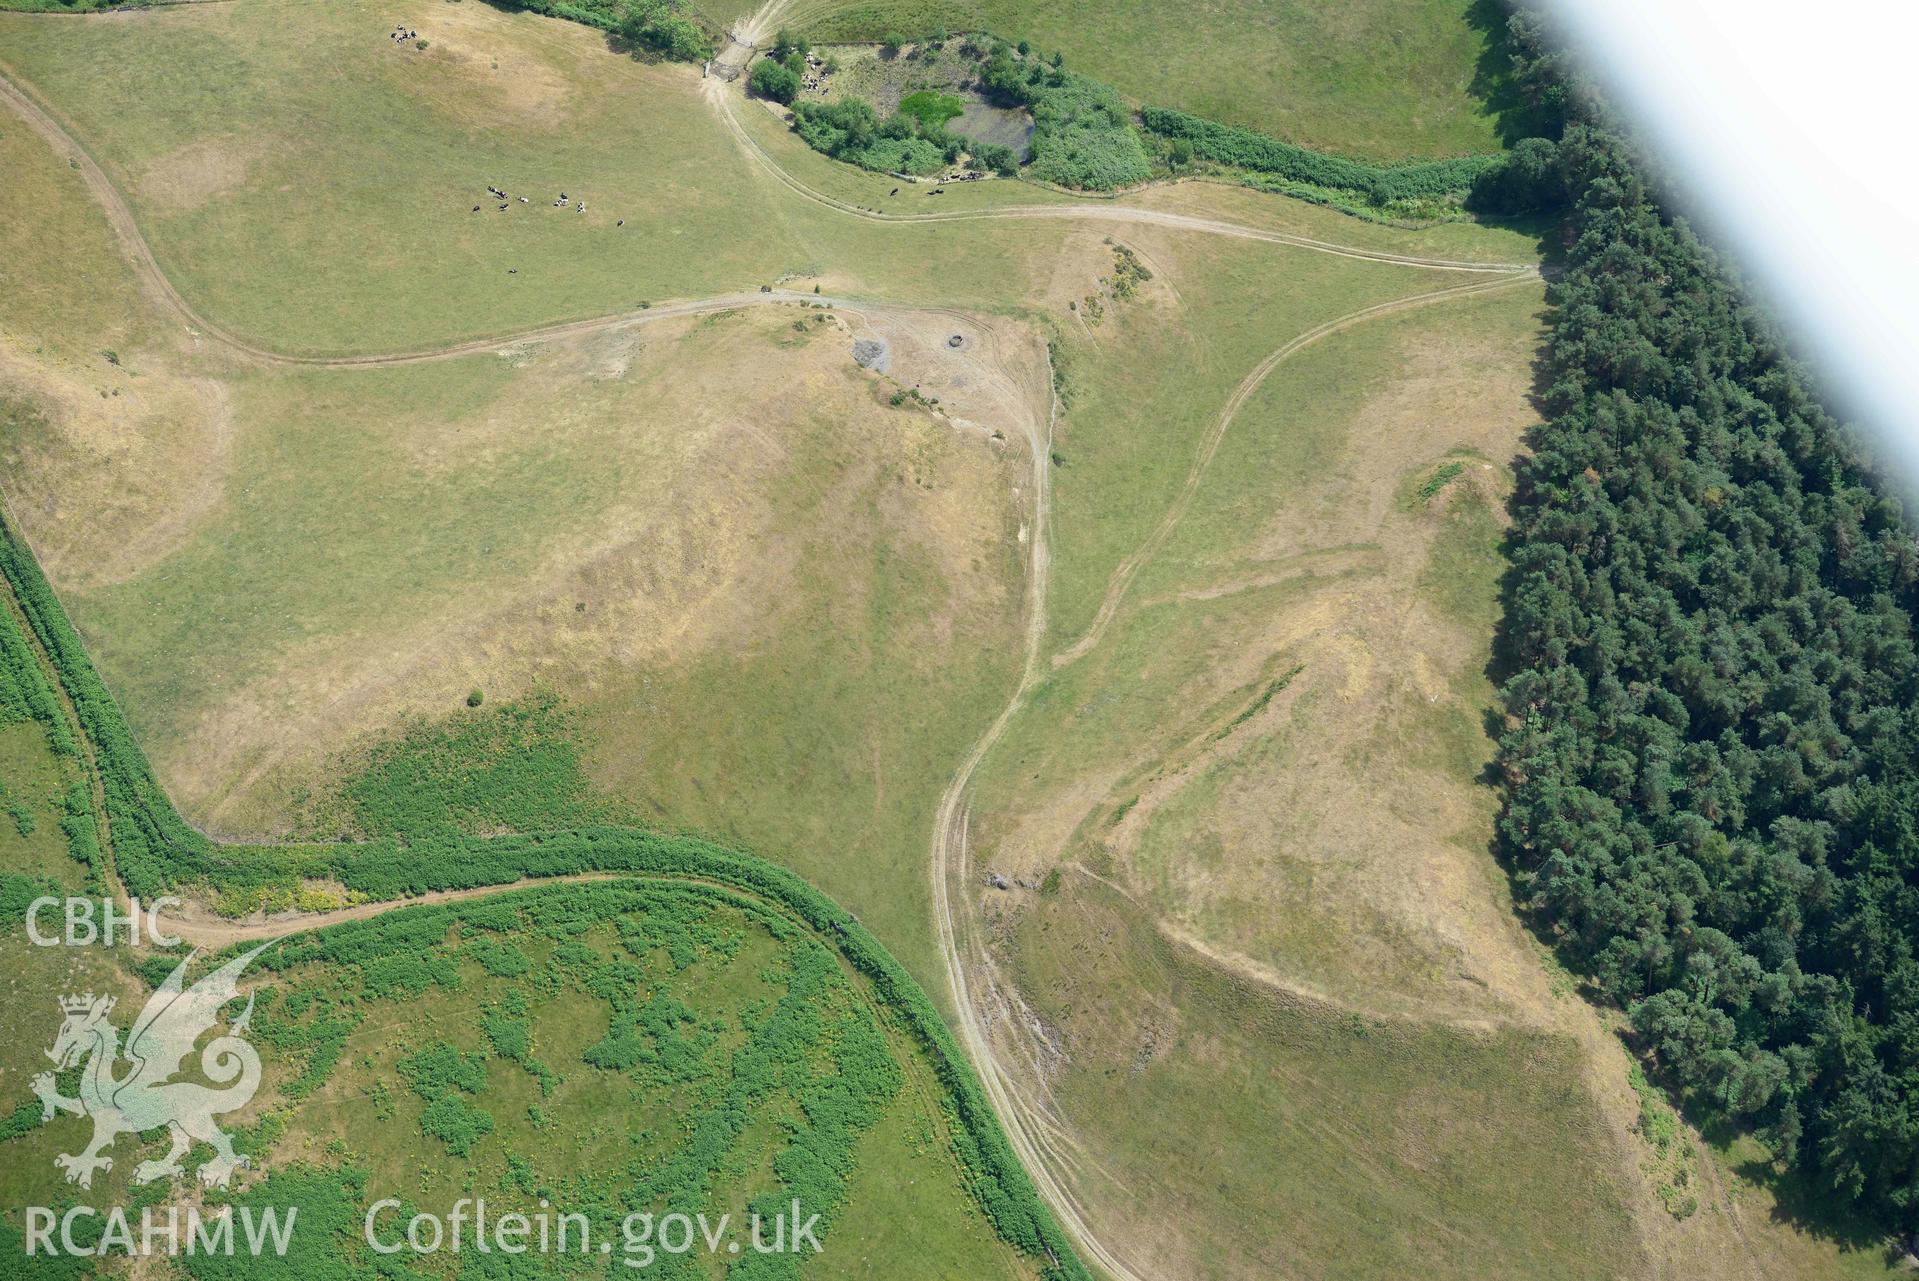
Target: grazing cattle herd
[[563, 202], [507, 201]]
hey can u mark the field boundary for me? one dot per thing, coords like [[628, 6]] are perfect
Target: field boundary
[[395, 875]]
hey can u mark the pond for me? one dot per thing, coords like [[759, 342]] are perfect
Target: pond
[[1008, 126]]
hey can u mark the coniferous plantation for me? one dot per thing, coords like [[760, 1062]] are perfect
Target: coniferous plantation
[[1711, 717]]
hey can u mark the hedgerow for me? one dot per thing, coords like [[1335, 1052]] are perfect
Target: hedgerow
[[155, 850], [152, 845], [651, 24], [25, 693], [1379, 184]]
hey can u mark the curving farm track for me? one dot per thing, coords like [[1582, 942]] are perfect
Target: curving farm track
[[1039, 1136]]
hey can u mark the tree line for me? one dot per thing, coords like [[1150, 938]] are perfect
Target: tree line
[[1712, 710]]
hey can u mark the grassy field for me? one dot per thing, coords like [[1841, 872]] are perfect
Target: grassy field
[[745, 601], [744, 1032], [770, 604], [1273, 758], [257, 140], [1297, 559], [33, 862], [1382, 81], [555, 1043], [586, 1101], [1391, 1146], [244, 170], [67, 284]]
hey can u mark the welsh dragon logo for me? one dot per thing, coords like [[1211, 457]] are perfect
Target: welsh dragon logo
[[146, 1097]]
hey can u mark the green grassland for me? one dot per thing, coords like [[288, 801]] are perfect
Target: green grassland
[[616, 1029], [1275, 751], [1382, 81], [444, 469], [45, 800], [254, 147], [736, 1035], [66, 283], [245, 169], [557, 1043], [34, 789], [372, 169], [1128, 433], [1391, 1146], [861, 627], [761, 729]]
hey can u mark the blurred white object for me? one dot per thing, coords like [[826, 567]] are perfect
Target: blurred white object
[[1792, 127]]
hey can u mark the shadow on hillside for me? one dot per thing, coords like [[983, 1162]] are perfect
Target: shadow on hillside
[[1799, 1200], [1495, 83]]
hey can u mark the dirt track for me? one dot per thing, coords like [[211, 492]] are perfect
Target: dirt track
[[1042, 1143], [724, 100], [140, 254]]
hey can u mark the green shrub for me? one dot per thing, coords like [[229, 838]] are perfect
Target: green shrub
[[1228, 145], [1442, 476], [774, 81], [675, 37], [1000, 159], [456, 1123], [1527, 181], [1083, 135], [787, 47], [657, 25], [852, 131]]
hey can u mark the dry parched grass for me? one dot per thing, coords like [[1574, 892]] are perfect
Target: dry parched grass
[[1274, 994]]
